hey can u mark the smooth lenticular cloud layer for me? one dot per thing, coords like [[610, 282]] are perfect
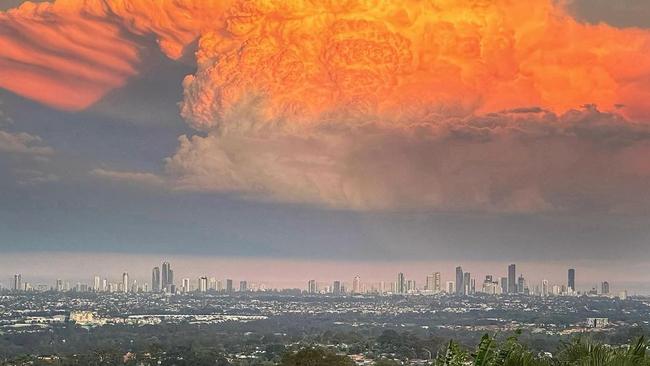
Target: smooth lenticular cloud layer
[[367, 103]]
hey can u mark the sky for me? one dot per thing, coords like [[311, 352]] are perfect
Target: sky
[[340, 137]]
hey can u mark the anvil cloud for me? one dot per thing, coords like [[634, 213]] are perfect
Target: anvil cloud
[[366, 104]]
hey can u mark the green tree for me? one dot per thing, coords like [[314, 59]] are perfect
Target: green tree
[[315, 357]]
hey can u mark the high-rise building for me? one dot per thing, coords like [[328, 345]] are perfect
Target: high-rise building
[[467, 283], [185, 285], [212, 285], [504, 285], [105, 285], [96, 284], [203, 284], [311, 287], [400, 285], [545, 289], [356, 285], [428, 284], [571, 281], [17, 285], [243, 286], [167, 277], [125, 282], [450, 287], [433, 282], [604, 288], [59, 285], [521, 284], [437, 282], [512, 279], [459, 281], [336, 288], [155, 279], [229, 287]]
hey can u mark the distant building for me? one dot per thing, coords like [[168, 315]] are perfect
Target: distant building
[[433, 282], [521, 284], [512, 279], [450, 287], [17, 285], [336, 288], [504, 285], [84, 318], [400, 285], [203, 284], [125, 282], [571, 281], [243, 286], [459, 281], [311, 287], [155, 279], [167, 277], [96, 284], [597, 322], [467, 283], [229, 286], [185, 285], [356, 285], [604, 288], [544, 291]]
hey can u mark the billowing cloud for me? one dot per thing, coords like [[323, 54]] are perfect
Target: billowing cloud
[[368, 103], [513, 161]]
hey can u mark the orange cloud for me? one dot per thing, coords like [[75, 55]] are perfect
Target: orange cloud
[[412, 59], [70, 53]]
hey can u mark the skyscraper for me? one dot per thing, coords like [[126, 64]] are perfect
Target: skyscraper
[[96, 284], [437, 279], [504, 285], [571, 283], [400, 285], [467, 283], [336, 288], [356, 285], [243, 286], [512, 279], [203, 284], [17, 285], [229, 288], [155, 279], [544, 288], [428, 285], [459, 281], [604, 288], [185, 285], [167, 277], [521, 284], [125, 282], [311, 287]]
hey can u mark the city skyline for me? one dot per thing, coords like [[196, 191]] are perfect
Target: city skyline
[[464, 283]]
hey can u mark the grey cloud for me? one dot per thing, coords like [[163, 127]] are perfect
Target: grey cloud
[[619, 13], [525, 160]]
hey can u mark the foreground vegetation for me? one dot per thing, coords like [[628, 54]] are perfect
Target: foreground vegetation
[[489, 352], [580, 352]]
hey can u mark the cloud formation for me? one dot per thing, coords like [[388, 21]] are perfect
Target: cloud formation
[[367, 104], [514, 161], [23, 143], [70, 53]]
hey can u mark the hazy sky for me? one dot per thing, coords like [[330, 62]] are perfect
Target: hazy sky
[[399, 134]]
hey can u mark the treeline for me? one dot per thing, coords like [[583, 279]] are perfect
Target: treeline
[[488, 352]]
